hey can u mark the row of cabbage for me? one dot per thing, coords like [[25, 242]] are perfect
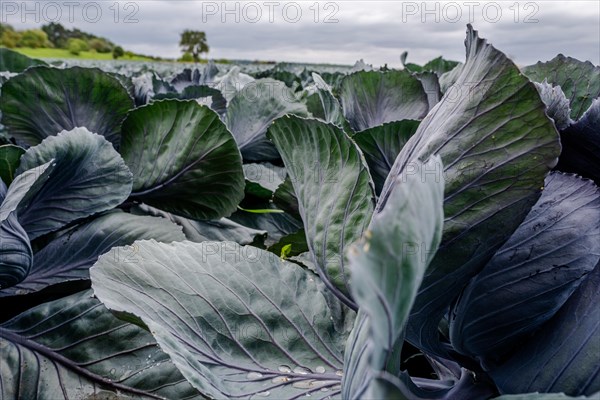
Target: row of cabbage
[[284, 233]]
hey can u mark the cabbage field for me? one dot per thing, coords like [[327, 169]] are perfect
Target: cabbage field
[[293, 232]]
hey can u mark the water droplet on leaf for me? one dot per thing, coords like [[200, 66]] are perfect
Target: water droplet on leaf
[[301, 370], [285, 369], [306, 384], [254, 375]]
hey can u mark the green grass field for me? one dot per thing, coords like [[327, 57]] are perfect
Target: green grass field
[[64, 53]]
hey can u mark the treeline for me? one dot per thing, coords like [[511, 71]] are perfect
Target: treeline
[[54, 35]]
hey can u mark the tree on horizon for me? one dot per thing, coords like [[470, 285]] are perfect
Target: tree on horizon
[[193, 42]]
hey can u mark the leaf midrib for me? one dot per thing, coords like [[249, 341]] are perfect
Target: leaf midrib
[[69, 364]]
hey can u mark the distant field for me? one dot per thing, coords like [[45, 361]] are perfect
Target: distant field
[[64, 53]]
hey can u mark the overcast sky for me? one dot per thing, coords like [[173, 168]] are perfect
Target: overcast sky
[[330, 32]]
